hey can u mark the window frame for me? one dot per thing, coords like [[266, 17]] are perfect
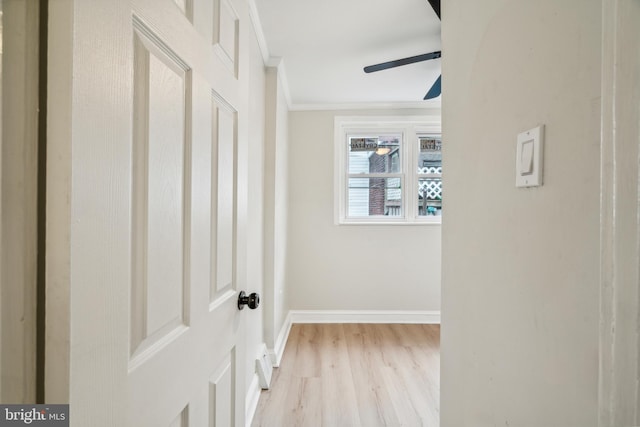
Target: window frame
[[410, 128]]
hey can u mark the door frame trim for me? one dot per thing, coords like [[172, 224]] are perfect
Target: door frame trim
[[19, 182], [619, 352]]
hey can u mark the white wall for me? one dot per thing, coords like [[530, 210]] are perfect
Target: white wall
[[620, 231], [520, 266], [281, 230], [402, 263], [276, 188]]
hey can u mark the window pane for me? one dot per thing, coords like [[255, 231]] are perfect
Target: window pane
[[379, 154], [374, 197], [430, 157], [429, 197]]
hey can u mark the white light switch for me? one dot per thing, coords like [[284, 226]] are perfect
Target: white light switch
[[526, 158], [529, 157]]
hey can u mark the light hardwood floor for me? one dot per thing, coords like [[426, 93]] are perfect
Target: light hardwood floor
[[349, 375]]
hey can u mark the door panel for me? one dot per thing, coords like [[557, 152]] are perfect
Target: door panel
[[151, 282], [161, 175], [225, 40], [184, 149], [185, 354], [223, 184], [222, 383]]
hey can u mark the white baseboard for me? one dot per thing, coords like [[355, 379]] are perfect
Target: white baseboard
[[251, 401], [281, 341], [364, 316]]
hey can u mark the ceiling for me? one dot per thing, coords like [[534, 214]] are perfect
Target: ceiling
[[324, 46]]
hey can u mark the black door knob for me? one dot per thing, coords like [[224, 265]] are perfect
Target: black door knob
[[252, 300]]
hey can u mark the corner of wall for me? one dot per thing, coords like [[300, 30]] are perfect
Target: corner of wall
[[277, 351], [276, 66], [275, 202]]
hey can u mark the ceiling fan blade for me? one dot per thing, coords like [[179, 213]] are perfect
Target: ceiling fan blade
[[435, 90], [435, 4], [403, 61]]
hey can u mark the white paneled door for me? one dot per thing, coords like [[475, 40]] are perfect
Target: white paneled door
[[155, 223]]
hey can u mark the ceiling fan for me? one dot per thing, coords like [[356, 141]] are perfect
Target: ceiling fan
[[435, 90]]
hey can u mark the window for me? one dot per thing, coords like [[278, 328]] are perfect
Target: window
[[388, 170], [374, 182], [429, 175]]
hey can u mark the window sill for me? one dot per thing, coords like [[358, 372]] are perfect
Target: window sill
[[390, 222]]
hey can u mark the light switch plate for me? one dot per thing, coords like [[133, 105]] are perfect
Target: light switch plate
[[529, 157]]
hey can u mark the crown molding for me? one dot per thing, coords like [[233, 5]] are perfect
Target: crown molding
[[259, 32], [421, 105]]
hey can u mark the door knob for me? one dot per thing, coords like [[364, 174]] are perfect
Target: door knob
[[252, 300]]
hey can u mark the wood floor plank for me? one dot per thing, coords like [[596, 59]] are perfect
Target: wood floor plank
[[338, 391], [304, 407], [355, 375], [307, 351], [367, 357], [407, 413], [418, 383]]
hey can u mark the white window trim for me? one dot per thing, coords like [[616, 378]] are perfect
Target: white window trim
[[409, 127]]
